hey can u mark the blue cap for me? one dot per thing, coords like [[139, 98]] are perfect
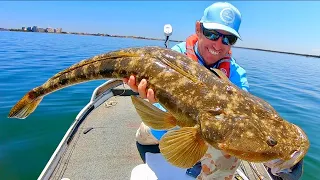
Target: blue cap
[[222, 16]]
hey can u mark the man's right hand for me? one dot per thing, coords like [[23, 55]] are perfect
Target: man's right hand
[[141, 88]]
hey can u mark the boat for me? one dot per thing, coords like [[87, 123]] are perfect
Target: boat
[[100, 143]]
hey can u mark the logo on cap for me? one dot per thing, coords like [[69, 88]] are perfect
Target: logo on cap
[[227, 15]]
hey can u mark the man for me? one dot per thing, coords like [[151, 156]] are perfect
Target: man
[[216, 32]]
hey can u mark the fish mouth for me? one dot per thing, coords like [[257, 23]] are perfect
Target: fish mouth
[[297, 155], [303, 138], [305, 144]]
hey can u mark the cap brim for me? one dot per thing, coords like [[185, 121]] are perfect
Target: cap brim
[[221, 27]]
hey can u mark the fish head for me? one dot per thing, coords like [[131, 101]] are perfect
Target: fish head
[[277, 139]]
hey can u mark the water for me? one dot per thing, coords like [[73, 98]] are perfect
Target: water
[[289, 83]]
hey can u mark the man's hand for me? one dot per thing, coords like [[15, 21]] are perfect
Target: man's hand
[[141, 88], [279, 165]]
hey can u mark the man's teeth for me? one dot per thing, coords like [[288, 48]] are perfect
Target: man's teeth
[[213, 52]]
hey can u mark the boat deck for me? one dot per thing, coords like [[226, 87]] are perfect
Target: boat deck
[[107, 151], [103, 146]]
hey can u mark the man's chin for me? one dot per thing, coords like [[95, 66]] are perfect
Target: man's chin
[[212, 59]]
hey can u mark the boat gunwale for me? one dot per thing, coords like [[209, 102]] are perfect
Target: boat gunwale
[[97, 98]]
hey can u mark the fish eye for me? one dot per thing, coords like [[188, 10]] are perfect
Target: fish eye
[[216, 111], [271, 141]]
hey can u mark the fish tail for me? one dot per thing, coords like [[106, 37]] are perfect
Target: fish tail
[[115, 65], [25, 106]]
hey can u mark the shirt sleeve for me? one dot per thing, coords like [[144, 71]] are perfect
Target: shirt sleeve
[[181, 47], [238, 76]]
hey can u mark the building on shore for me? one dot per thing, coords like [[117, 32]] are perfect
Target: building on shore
[[35, 29], [50, 30], [41, 30], [58, 30], [38, 29]]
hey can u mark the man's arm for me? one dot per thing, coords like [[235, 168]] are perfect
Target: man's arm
[[285, 169], [181, 47], [238, 76]]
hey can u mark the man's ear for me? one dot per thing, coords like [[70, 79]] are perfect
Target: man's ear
[[198, 28]]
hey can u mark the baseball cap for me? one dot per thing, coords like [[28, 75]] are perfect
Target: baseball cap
[[222, 16]]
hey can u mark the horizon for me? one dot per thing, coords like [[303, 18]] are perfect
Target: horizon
[[172, 40], [291, 27]]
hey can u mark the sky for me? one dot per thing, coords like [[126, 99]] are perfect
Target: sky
[[290, 26]]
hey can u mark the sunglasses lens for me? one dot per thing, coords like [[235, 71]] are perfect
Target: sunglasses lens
[[210, 34], [230, 40], [214, 35]]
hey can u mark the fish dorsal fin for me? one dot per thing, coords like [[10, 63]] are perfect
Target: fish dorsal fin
[[183, 147], [97, 58], [152, 116], [180, 70]]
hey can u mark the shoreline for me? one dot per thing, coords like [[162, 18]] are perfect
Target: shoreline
[[92, 34], [281, 52], [160, 39]]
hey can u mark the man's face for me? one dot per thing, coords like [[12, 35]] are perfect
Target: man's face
[[211, 51]]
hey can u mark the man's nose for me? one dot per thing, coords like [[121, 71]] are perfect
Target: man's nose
[[218, 44]]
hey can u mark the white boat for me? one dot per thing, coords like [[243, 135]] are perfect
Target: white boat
[[100, 143]]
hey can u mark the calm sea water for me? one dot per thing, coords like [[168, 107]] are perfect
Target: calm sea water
[[289, 83]]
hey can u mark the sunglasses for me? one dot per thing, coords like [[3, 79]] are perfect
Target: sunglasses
[[215, 35]]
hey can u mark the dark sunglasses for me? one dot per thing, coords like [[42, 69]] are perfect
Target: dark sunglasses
[[215, 35]]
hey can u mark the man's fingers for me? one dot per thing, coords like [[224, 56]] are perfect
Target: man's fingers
[[125, 80], [132, 83], [150, 96], [142, 89]]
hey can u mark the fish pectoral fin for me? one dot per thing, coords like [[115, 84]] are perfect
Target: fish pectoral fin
[[153, 116], [183, 147]]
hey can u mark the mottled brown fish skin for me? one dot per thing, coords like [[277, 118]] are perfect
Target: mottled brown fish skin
[[241, 123], [229, 118], [142, 62]]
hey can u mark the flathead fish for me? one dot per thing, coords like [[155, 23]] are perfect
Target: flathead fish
[[209, 109]]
